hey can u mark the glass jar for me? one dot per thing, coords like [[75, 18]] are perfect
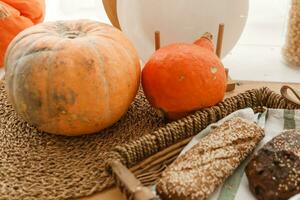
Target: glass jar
[[291, 50]]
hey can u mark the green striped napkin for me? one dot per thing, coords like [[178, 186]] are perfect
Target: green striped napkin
[[274, 121]]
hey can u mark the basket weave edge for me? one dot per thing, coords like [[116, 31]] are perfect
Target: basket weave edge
[[136, 151]]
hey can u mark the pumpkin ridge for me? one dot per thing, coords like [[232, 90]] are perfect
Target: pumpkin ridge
[[14, 88], [106, 37], [14, 66], [124, 50], [25, 54], [15, 41], [49, 80], [104, 79], [41, 50], [94, 28], [22, 56], [11, 68]]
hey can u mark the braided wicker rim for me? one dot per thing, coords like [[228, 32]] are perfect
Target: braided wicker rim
[[149, 155]]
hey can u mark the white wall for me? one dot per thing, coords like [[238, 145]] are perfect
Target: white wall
[[75, 9], [257, 55]]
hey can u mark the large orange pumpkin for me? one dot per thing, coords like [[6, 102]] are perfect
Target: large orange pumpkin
[[15, 16], [71, 77], [181, 78]]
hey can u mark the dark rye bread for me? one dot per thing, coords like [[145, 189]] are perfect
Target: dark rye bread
[[197, 173], [274, 172]]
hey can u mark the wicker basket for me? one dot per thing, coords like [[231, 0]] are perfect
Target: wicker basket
[[159, 149]]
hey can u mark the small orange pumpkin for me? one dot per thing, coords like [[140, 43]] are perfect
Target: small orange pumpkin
[[71, 77], [15, 16], [181, 78]]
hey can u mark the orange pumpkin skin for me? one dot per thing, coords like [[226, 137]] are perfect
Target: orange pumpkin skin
[[71, 77], [181, 78], [15, 16]]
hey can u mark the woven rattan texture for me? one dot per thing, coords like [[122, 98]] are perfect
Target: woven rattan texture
[[36, 165], [137, 150]]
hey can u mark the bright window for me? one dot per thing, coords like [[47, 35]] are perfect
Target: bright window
[[257, 55]]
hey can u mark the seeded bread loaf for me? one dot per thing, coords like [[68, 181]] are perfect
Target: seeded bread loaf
[[274, 172], [197, 173]]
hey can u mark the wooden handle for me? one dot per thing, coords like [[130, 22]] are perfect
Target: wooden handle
[[110, 7], [126, 181], [284, 92], [220, 40], [157, 40]]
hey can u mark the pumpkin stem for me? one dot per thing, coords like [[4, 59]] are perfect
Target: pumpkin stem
[[4, 13], [208, 35], [206, 42]]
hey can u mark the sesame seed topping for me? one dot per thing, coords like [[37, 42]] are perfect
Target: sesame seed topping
[[197, 173]]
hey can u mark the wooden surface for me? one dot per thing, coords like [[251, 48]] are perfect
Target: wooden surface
[[115, 194], [110, 7]]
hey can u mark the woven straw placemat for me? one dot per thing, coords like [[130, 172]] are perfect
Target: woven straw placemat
[[37, 165]]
